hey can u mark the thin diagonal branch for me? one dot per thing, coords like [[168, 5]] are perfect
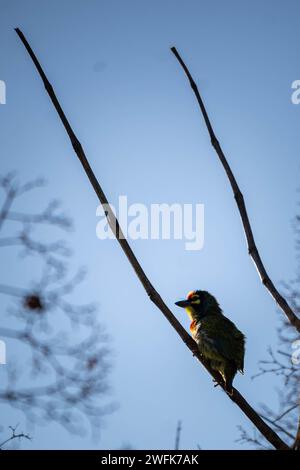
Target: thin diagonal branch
[[280, 428], [252, 249], [291, 408], [6, 206], [178, 434], [236, 397]]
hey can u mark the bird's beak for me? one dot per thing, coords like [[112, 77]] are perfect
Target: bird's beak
[[183, 303]]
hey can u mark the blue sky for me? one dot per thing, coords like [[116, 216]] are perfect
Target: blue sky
[[133, 111]]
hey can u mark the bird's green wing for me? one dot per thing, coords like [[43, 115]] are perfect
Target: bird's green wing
[[226, 337]]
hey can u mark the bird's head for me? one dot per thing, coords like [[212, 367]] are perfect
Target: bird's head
[[198, 304]]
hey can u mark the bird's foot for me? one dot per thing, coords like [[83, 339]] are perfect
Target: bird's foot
[[216, 383]]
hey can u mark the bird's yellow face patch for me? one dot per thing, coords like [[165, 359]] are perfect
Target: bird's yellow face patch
[[190, 311], [194, 300]]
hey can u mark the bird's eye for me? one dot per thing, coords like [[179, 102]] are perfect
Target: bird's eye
[[195, 300]]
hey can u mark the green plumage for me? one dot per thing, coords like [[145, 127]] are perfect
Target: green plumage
[[222, 344], [219, 340]]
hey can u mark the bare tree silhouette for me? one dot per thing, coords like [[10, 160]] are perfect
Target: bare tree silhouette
[[63, 352], [284, 363]]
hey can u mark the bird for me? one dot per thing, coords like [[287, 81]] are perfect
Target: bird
[[219, 341]]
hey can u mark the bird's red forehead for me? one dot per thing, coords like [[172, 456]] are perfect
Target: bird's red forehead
[[190, 294]]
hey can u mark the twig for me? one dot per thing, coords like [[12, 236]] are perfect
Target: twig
[[245, 437], [291, 408], [236, 397], [14, 436], [280, 428], [252, 249], [177, 437]]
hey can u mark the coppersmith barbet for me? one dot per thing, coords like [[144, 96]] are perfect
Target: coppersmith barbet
[[218, 339]]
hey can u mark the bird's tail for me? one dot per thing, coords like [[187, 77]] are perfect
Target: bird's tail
[[229, 373]]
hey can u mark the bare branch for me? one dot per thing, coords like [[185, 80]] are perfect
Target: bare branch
[[236, 397], [252, 249], [178, 434], [13, 436], [254, 440], [67, 373], [10, 195], [280, 428], [282, 415]]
